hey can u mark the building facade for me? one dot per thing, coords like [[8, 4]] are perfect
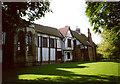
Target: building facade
[[67, 43], [38, 44]]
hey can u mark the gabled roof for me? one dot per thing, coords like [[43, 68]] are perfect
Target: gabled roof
[[47, 30], [64, 30], [81, 37]]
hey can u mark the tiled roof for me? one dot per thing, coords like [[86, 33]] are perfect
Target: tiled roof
[[81, 37], [47, 30], [64, 30]]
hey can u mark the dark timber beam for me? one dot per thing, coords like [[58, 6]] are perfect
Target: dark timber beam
[[56, 49], [41, 49], [49, 50]]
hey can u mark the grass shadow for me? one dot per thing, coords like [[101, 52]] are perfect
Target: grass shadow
[[51, 73]]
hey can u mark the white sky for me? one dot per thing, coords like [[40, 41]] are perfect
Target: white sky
[[71, 13]]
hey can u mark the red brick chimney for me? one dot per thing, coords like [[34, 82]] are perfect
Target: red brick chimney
[[89, 36]]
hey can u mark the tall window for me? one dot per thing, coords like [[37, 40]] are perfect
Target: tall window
[[51, 43], [3, 37], [29, 38], [68, 55], [29, 42], [45, 42], [69, 42]]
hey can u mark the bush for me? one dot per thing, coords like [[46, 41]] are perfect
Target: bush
[[99, 56]]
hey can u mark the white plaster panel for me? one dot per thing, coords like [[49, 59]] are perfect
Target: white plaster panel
[[39, 54], [44, 35], [72, 43], [78, 43], [52, 54], [65, 56], [59, 49], [65, 43], [70, 56], [68, 33], [38, 34], [45, 54], [52, 37]]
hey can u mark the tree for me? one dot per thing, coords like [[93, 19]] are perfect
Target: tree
[[11, 21], [13, 11], [104, 17], [105, 47]]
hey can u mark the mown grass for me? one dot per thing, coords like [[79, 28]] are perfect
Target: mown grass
[[107, 72]]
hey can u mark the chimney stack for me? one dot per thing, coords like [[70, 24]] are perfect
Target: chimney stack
[[89, 36], [78, 30]]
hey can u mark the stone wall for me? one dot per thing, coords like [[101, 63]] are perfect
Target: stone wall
[[27, 59]]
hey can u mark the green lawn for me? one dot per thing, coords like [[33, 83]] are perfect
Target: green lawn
[[106, 72]]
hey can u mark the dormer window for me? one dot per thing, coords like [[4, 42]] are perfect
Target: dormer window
[[69, 42]]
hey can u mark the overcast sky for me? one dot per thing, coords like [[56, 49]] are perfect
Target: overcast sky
[[71, 13]]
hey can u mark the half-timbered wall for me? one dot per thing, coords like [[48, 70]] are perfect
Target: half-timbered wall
[[47, 54]]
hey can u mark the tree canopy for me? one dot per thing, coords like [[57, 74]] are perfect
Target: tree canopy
[[13, 11], [104, 17]]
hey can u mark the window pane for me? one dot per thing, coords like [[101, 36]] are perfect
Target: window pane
[[51, 43], [29, 38], [3, 37], [69, 42], [68, 55], [44, 42], [18, 48]]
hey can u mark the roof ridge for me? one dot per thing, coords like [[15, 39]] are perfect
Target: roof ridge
[[47, 30], [45, 26]]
